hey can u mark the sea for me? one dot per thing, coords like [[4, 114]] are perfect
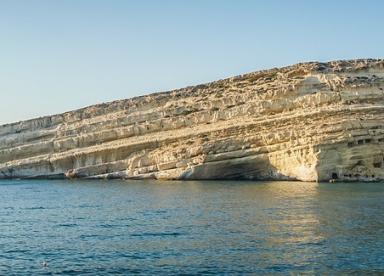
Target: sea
[[52, 227]]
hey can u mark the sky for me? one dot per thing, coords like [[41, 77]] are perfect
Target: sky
[[60, 55]]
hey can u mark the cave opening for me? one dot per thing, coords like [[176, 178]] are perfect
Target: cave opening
[[360, 142], [334, 175]]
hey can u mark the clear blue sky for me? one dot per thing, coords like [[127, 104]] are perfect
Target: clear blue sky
[[60, 55]]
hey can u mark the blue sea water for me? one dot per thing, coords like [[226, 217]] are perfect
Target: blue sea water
[[197, 227]]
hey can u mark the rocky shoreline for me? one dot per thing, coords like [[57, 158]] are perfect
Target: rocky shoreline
[[310, 122]]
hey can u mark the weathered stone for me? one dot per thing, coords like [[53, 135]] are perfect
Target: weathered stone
[[310, 122]]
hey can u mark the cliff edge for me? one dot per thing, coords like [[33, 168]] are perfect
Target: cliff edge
[[310, 122]]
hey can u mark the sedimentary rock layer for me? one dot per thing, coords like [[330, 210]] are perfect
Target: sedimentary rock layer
[[310, 122]]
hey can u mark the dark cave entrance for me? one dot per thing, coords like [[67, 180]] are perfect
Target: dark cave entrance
[[334, 176]]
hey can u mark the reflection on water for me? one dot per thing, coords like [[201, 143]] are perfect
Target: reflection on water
[[195, 227]]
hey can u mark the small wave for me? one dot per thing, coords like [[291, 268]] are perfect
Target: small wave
[[35, 208], [16, 251], [89, 206], [84, 236], [166, 234], [67, 225], [109, 225], [281, 267]]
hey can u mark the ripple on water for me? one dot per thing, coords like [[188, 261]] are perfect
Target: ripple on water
[[165, 234]]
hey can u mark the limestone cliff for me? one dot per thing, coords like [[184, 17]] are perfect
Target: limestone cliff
[[311, 122]]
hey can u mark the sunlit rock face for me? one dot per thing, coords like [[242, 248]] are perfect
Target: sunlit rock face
[[310, 122]]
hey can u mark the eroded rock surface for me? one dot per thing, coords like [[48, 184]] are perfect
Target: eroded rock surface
[[310, 122]]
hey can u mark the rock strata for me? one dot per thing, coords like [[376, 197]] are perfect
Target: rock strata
[[311, 122]]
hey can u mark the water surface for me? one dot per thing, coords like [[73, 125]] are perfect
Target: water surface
[[211, 227]]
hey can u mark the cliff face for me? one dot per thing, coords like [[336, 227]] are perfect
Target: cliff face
[[310, 122]]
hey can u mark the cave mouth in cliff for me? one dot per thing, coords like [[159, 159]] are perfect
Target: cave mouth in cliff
[[334, 176]]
